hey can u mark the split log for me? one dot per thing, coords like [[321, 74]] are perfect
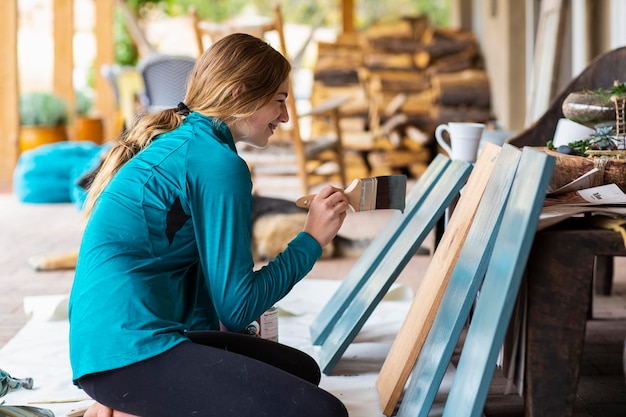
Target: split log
[[444, 114], [388, 29], [337, 77], [427, 54], [418, 103], [337, 64], [393, 123], [345, 55], [394, 44], [397, 160], [454, 63], [398, 81], [419, 26], [470, 88], [377, 59]]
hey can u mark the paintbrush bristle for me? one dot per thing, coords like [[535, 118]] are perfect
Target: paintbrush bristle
[[391, 192]]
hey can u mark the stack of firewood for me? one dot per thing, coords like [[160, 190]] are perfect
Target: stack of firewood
[[404, 79]]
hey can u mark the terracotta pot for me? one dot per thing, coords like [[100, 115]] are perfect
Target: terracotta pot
[[34, 136], [89, 128]]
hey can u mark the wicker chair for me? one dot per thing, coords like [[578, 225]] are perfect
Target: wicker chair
[[165, 80]]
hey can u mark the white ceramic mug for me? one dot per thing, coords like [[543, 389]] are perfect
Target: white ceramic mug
[[464, 139]]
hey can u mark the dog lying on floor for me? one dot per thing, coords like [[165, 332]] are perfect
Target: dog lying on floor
[[275, 222]]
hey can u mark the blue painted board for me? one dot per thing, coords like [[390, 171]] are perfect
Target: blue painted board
[[410, 339], [361, 272], [394, 259], [462, 288], [500, 287]]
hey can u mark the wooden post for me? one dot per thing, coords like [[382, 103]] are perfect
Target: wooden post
[[9, 116], [105, 99], [347, 13], [63, 32]]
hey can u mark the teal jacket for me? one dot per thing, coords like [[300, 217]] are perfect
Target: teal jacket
[[167, 250]]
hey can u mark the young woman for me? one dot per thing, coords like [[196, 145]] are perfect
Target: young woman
[[166, 258]]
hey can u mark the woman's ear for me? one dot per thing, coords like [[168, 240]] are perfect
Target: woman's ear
[[237, 90]]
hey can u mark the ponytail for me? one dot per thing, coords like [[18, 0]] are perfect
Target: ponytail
[[145, 130], [236, 63]]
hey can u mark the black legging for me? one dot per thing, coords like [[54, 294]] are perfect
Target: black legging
[[218, 374]]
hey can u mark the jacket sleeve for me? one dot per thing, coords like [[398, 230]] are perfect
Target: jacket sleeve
[[220, 197]]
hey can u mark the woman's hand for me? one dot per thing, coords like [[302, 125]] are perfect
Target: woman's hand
[[326, 214], [99, 410]]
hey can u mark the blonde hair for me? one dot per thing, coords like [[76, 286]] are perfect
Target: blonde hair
[[235, 77]]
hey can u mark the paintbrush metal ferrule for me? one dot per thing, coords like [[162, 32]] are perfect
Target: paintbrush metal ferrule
[[369, 188]]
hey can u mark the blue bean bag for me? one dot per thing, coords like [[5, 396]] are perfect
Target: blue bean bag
[[48, 173]]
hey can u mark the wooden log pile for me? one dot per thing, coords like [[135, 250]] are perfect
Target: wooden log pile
[[403, 78]]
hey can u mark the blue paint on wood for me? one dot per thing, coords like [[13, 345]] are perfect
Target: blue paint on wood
[[500, 288], [411, 235], [462, 288], [372, 256]]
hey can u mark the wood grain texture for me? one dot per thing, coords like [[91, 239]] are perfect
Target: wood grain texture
[[461, 290], [559, 281], [405, 349], [499, 290]]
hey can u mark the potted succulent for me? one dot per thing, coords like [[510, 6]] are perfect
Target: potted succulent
[[43, 120], [87, 125], [603, 110]]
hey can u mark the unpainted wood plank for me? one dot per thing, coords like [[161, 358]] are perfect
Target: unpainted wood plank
[[395, 259], [500, 287], [371, 257], [461, 291], [397, 367]]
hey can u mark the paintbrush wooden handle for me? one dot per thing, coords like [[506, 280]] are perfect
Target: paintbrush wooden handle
[[305, 202], [352, 193]]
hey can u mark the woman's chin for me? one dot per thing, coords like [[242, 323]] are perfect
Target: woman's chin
[[256, 144], [259, 142]]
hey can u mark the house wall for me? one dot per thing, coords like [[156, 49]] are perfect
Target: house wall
[[507, 62], [500, 27], [506, 31]]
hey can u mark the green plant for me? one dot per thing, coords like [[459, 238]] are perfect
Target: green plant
[[42, 109], [618, 89], [84, 103]]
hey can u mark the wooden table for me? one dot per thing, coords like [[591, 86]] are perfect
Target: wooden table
[[560, 289]]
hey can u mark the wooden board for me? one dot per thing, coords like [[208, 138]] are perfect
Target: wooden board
[[362, 269], [394, 259], [397, 367], [547, 58], [461, 291], [500, 287]]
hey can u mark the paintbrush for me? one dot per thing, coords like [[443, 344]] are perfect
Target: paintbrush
[[374, 193]]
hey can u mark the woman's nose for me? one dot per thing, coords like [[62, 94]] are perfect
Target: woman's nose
[[284, 115]]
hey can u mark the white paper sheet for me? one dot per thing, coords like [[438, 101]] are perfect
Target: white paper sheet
[[40, 349]]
